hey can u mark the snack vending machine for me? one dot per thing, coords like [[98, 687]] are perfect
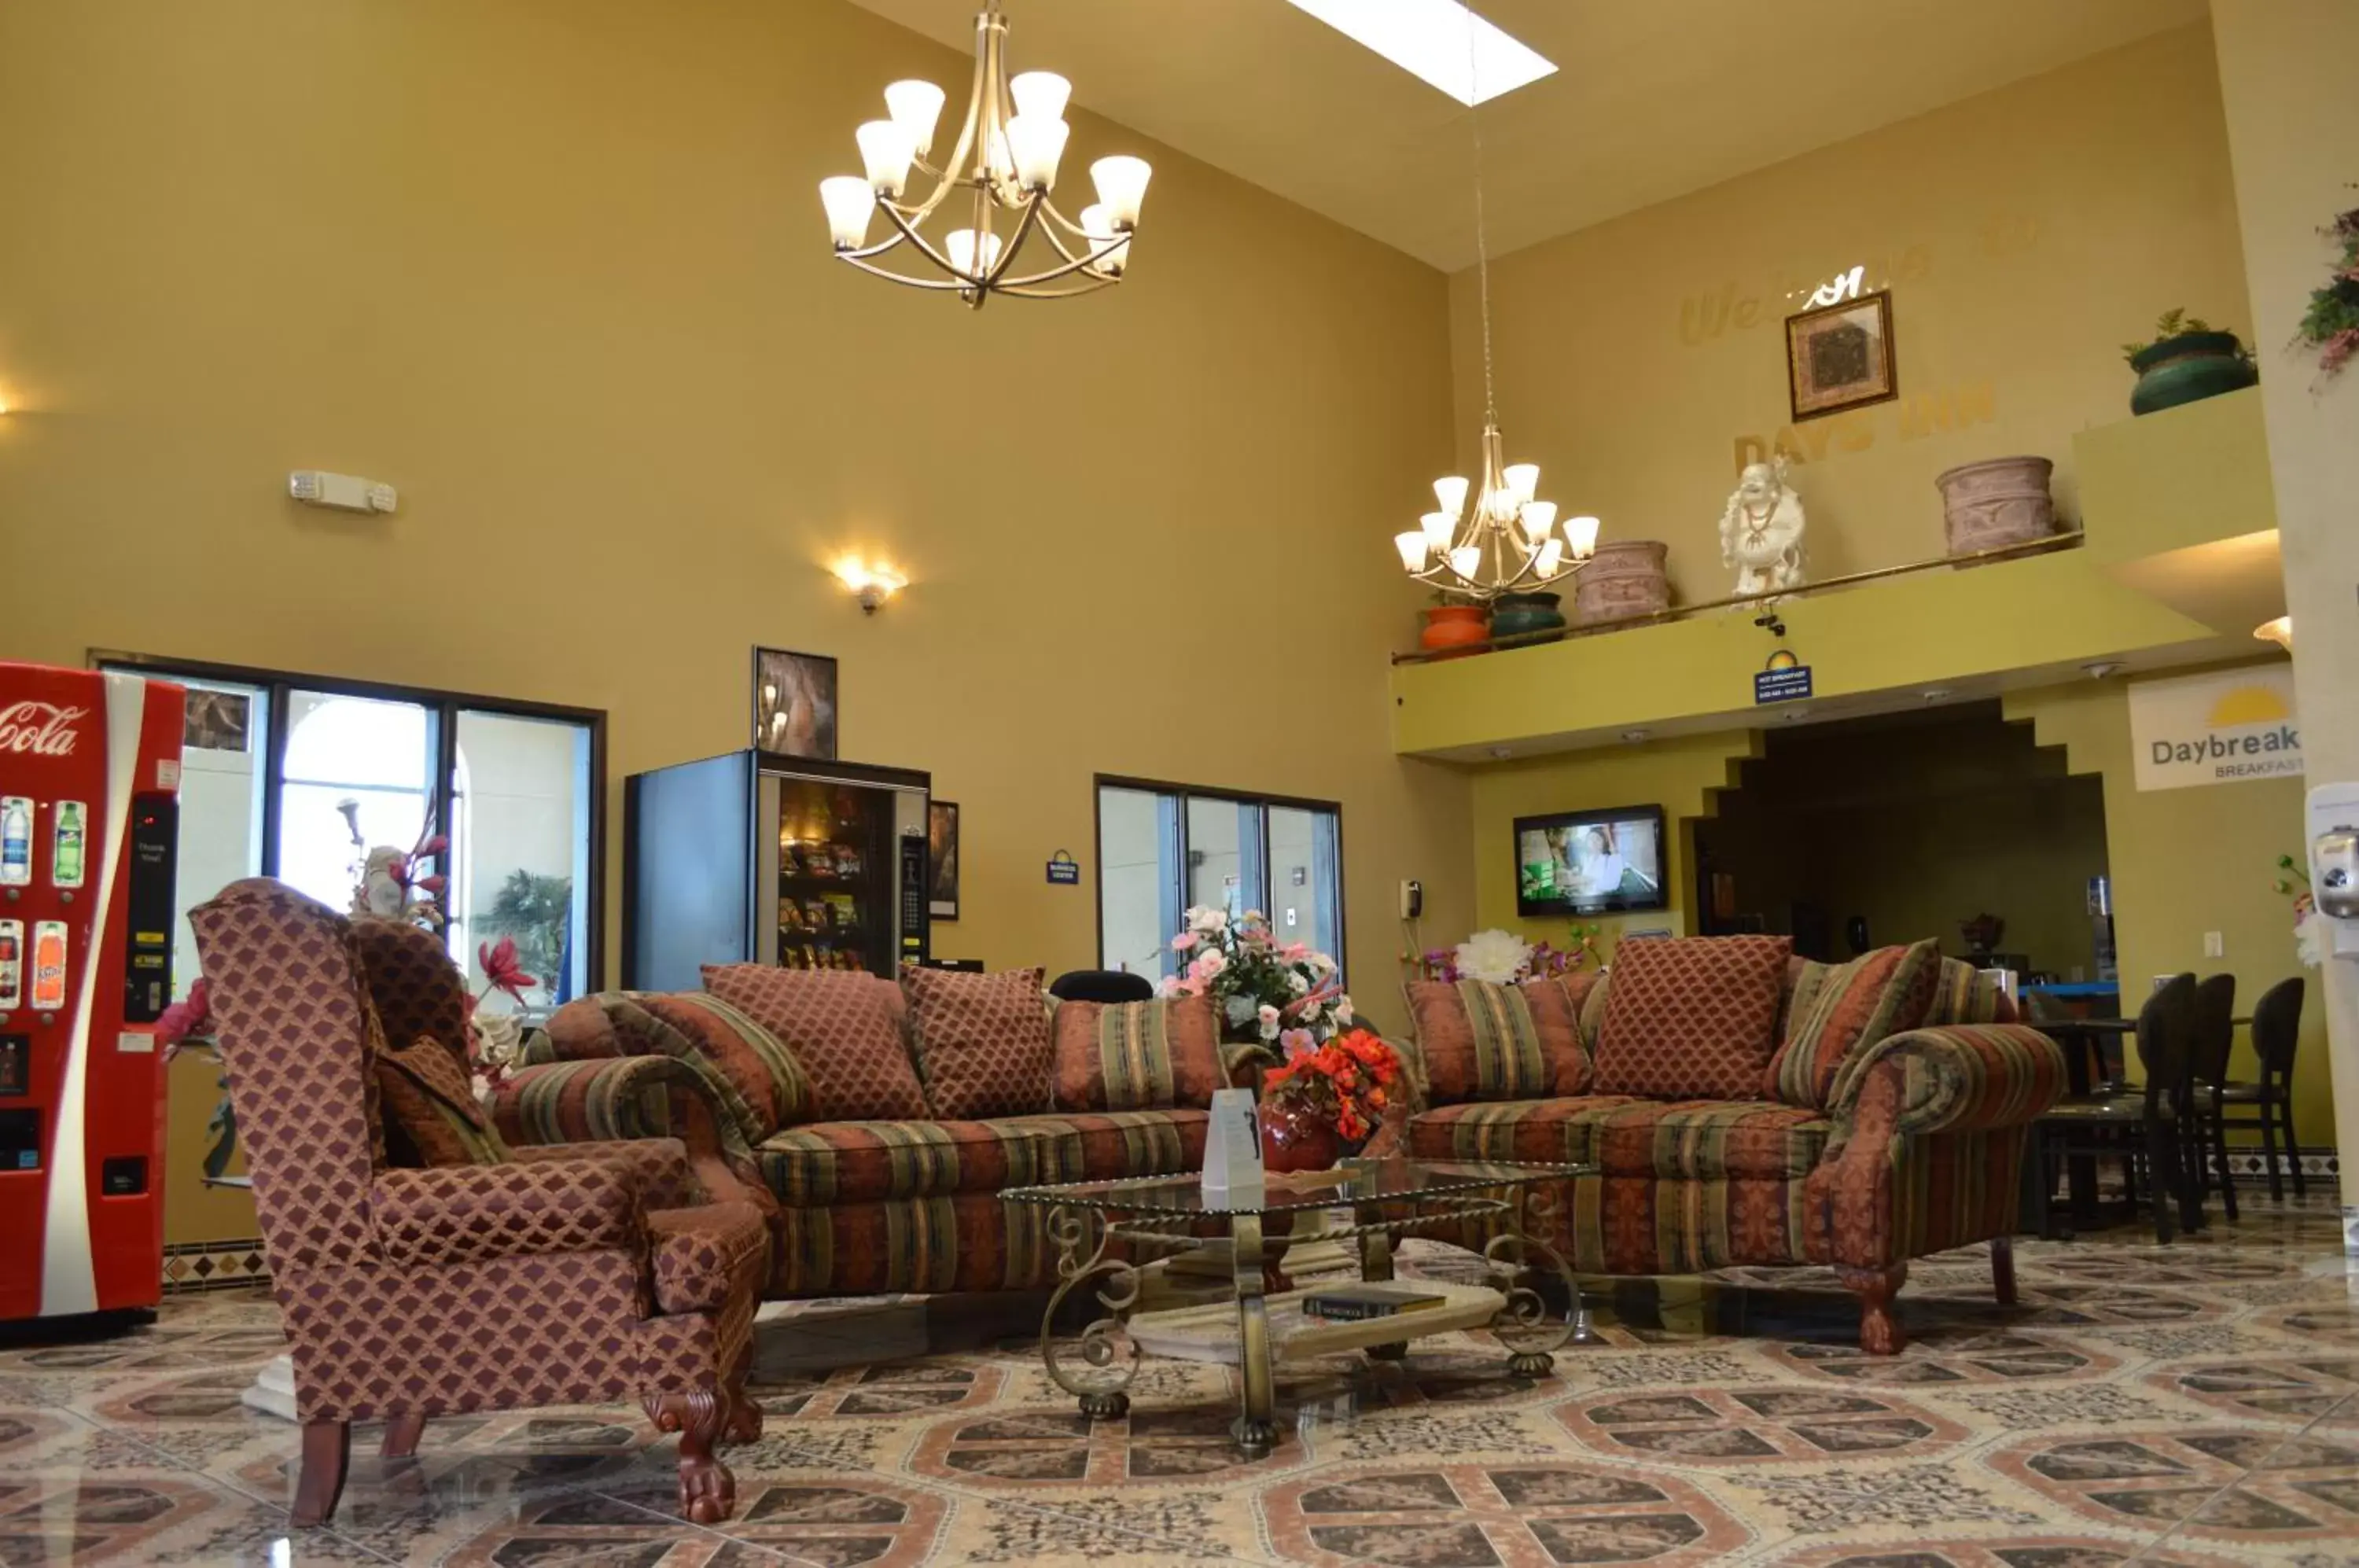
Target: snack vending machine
[[90, 780]]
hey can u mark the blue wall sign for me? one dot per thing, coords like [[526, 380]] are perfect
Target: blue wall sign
[[1064, 871], [1785, 685]]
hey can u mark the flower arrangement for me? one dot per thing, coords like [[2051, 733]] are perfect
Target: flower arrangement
[[191, 1021], [2294, 883], [1504, 958], [387, 882], [2176, 323], [495, 1041], [2330, 323], [1344, 1084], [1278, 993]]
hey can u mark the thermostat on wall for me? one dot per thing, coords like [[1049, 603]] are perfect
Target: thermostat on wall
[[315, 487]]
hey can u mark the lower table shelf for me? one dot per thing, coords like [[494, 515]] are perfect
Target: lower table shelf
[[1208, 1333]]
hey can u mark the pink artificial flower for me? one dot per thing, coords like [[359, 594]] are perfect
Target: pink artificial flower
[[1185, 942], [1293, 951], [1295, 1042], [191, 1015], [501, 969]]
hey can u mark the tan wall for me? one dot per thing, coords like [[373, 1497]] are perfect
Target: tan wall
[[2292, 122], [2024, 235], [558, 270]]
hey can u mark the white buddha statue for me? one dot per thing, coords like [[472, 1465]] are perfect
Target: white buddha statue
[[1761, 532]]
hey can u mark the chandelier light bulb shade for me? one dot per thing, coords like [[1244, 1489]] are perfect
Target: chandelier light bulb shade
[[1538, 518], [1581, 533], [1466, 560], [1039, 95], [849, 203], [887, 149], [996, 175], [963, 253], [1035, 144], [1437, 528], [2278, 631], [1523, 479], [1414, 548], [916, 108], [1451, 493], [1122, 186], [1552, 553]]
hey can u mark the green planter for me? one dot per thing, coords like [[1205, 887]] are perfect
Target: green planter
[[1520, 614], [2188, 368]]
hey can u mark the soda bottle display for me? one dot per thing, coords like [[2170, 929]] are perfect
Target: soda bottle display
[[15, 842], [12, 964], [66, 855], [48, 966]]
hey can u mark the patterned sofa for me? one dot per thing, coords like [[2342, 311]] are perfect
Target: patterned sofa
[[1889, 1120], [878, 1145]]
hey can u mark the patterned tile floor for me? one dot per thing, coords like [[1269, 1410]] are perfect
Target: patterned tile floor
[[2195, 1405]]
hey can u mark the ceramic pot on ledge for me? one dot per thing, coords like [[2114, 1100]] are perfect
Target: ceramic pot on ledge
[[1295, 1138], [1450, 627]]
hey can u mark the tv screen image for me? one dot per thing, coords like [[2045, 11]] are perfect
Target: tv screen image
[[1589, 861]]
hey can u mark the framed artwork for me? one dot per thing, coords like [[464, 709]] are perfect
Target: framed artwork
[[1841, 357], [794, 703], [217, 720], [943, 859]]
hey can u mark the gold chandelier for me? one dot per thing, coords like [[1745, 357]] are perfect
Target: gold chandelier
[[1002, 169], [1505, 543]]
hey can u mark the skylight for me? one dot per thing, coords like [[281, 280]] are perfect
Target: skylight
[[1428, 39]]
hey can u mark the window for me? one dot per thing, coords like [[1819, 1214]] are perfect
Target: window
[[296, 776], [1164, 847]]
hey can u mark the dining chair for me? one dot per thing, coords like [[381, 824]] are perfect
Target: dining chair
[[2207, 1138], [2141, 1124], [2277, 1030]]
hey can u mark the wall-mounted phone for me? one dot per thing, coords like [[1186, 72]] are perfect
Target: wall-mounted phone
[[2334, 865], [1412, 899]]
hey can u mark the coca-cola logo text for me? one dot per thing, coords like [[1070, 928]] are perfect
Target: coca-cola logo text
[[42, 728]]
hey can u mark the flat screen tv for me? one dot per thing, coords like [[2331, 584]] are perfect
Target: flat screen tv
[[1589, 862]]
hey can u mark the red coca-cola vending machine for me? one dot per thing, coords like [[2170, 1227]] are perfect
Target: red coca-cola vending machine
[[90, 780]]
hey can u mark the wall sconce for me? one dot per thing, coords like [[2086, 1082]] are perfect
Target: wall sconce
[[2279, 631], [872, 585]]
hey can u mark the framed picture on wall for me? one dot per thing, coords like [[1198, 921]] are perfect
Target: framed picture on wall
[[1841, 357], [943, 859], [794, 703]]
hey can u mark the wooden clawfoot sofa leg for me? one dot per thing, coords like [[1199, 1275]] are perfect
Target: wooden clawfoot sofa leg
[[1880, 1332], [327, 1451], [744, 1421], [2003, 1268], [708, 1492], [401, 1435]]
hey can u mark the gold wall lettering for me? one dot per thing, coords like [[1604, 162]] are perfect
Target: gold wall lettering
[[1913, 418], [1707, 316]]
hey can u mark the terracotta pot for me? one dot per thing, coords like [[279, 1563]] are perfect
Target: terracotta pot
[[1454, 626], [2188, 368], [1293, 1138], [2000, 501], [1626, 578]]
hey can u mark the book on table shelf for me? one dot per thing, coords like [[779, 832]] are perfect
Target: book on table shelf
[[1352, 1303]]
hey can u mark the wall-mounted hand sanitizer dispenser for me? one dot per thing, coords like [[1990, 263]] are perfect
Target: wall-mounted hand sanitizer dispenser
[[2334, 865]]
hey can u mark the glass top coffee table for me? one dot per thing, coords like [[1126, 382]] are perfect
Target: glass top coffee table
[[1112, 1233]]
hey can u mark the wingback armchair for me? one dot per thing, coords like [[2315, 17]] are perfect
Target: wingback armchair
[[580, 1273]]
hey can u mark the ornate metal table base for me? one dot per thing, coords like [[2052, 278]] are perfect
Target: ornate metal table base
[[1099, 1377]]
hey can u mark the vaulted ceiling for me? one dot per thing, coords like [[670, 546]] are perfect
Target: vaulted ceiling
[[1652, 99]]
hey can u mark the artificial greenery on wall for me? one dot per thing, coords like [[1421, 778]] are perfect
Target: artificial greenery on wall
[[2331, 325]]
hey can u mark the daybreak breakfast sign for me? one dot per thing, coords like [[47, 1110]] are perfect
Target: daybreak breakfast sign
[[2221, 728]]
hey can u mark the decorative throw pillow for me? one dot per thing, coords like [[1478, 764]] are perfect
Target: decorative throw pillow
[[1487, 1041], [1964, 994], [842, 1028], [757, 1062], [982, 1040], [1134, 1056], [425, 1097], [1691, 1017], [1839, 1008]]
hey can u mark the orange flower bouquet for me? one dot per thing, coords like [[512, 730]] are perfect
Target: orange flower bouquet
[[1325, 1099]]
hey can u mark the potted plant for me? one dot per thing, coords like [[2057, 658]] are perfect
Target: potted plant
[[2187, 361], [1453, 624], [1267, 992], [1534, 614], [1325, 1100]]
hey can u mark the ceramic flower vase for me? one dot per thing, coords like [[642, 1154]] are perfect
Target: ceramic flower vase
[[1450, 627], [2188, 367], [1294, 1137]]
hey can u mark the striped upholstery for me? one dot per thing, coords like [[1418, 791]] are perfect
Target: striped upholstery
[[1834, 1009], [1101, 1145], [737, 1045], [1964, 994], [1705, 1139], [1487, 1042], [848, 1162], [968, 1242], [1134, 1056]]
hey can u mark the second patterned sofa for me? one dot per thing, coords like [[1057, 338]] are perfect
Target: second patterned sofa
[[1744, 1108], [879, 1122]]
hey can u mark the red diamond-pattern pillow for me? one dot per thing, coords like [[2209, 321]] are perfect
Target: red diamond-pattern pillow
[[843, 1028], [983, 1045], [1691, 1017]]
